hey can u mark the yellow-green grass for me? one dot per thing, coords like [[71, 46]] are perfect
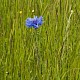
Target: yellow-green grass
[[52, 52]]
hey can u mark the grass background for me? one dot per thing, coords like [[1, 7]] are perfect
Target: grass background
[[52, 52]]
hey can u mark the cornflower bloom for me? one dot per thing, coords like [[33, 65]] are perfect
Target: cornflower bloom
[[34, 22]]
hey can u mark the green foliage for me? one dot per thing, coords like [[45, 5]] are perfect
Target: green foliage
[[52, 52]]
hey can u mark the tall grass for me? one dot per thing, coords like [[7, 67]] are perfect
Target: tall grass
[[52, 52]]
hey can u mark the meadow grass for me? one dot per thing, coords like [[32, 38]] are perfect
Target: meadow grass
[[52, 52]]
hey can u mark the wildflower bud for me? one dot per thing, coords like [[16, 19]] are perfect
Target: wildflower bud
[[33, 10], [71, 11], [20, 12]]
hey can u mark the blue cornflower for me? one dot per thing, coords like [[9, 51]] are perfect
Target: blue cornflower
[[34, 22]]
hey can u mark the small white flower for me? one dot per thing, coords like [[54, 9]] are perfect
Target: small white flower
[[71, 11], [33, 10]]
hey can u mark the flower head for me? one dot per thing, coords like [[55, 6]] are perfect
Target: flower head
[[20, 12], [34, 22]]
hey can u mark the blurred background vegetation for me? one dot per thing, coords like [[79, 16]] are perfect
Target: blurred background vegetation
[[52, 52]]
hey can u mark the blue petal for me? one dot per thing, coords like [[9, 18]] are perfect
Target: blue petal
[[40, 20], [29, 22]]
